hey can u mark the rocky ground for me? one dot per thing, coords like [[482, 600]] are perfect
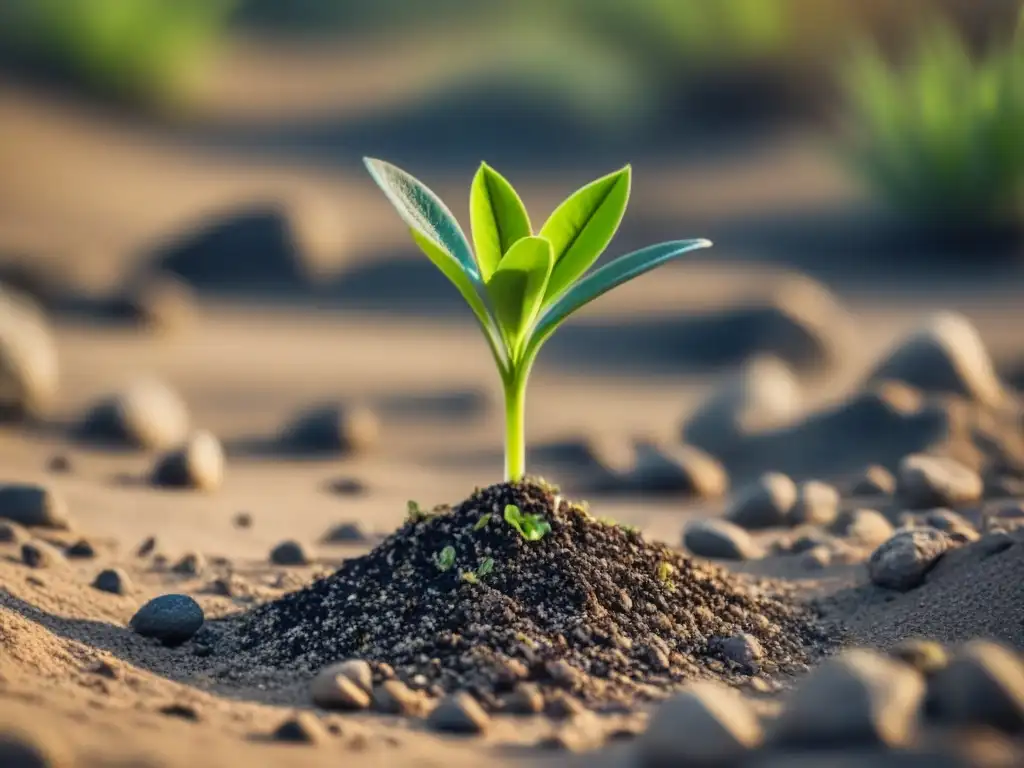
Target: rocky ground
[[801, 544]]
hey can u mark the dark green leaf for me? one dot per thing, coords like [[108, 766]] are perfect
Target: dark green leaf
[[498, 217], [581, 228]]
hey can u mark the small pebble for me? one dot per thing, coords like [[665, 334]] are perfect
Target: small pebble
[[525, 699], [147, 414], [865, 527], [113, 580], [902, 562], [332, 429], [39, 554], [59, 464], [743, 649], [12, 533], [332, 689], [926, 656], [243, 520], [393, 697], [146, 548], [983, 685], [171, 619], [82, 548], [33, 506], [198, 464], [345, 533], [459, 713], [191, 564], [926, 482], [302, 728], [817, 503], [720, 540], [874, 481], [767, 503], [348, 486], [289, 553]]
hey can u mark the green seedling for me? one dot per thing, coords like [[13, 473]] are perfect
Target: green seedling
[[446, 559], [414, 513], [469, 577], [485, 567], [522, 285], [484, 520], [530, 527]]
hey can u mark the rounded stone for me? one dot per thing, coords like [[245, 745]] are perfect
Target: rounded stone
[[29, 362], [198, 464], [902, 562], [39, 554], [459, 713], [332, 689], [677, 469], [767, 503], [866, 527], [147, 414], [34, 506], [926, 482], [926, 656], [720, 540], [983, 685], [171, 619], [289, 553], [817, 503], [113, 580], [874, 481], [332, 429]]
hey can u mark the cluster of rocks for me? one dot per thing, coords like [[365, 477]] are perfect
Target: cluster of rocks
[[858, 708], [591, 612]]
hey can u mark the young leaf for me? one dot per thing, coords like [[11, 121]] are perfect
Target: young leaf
[[581, 228], [517, 287], [498, 218], [446, 559], [423, 211], [609, 276], [530, 527]]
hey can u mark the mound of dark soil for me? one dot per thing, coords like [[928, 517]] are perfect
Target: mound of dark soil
[[592, 608]]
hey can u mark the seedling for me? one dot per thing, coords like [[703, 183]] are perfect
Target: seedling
[[485, 567], [530, 527], [521, 286], [446, 559], [484, 520], [469, 577], [414, 513]]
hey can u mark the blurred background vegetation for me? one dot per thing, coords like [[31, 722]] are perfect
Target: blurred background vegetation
[[930, 90]]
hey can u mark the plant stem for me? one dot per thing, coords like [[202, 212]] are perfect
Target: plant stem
[[515, 426]]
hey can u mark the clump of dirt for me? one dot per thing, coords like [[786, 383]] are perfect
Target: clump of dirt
[[458, 599]]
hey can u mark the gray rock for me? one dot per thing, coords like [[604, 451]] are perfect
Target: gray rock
[[720, 540], [113, 580], [982, 686], [524, 699], [81, 549], [346, 533], [198, 464], [945, 356], [393, 697], [332, 429], [12, 533], [874, 481], [817, 503], [926, 656], [356, 670], [764, 395], [289, 553], [865, 527], [902, 562], [677, 469], [34, 506], [191, 564], [767, 503], [924, 482], [29, 364], [147, 414], [856, 699], [706, 724], [171, 619], [333, 689], [39, 554], [302, 728], [459, 713], [743, 649]]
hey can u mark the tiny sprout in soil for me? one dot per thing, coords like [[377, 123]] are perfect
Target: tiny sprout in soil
[[485, 567], [414, 514], [520, 285], [530, 527], [484, 520], [446, 559]]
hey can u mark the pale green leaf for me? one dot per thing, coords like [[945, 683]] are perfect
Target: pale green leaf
[[517, 287], [602, 280], [423, 211], [582, 226], [498, 218]]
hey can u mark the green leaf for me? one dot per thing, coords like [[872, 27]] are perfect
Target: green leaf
[[446, 559], [530, 527], [517, 287], [423, 211], [602, 280], [581, 228], [484, 520], [498, 218], [485, 567]]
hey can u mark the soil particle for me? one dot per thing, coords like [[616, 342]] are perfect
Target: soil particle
[[459, 713], [720, 540], [856, 699], [171, 619], [817, 503], [902, 562], [34, 506], [743, 649], [289, 553], [554, 605], [983, 685], [706, 724], [198, 464], [767, 503], [925, 482], [113, 580]]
